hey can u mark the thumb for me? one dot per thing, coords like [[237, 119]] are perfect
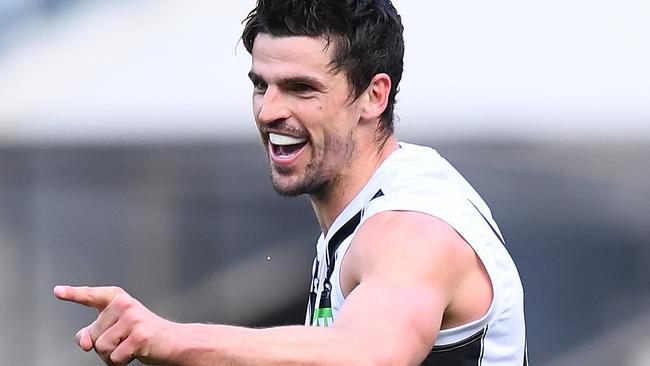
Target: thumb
[[84, 340]]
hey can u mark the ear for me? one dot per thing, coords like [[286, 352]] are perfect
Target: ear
[[376, 97]]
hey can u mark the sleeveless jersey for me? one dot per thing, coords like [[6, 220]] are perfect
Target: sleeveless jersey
[[417, 178]]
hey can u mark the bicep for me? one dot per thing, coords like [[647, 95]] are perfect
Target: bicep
[[403, 269], [399, 319]]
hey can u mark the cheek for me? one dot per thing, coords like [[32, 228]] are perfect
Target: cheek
[[327, 124], [336, 142]]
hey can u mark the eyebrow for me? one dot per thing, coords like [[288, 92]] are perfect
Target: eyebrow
[[316, 83], [254, 77]]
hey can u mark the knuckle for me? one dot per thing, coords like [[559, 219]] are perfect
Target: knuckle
[[119, 358], [131, 316], [103, 347], [121, 302], [137, 340], [118, 290], [140, 336]]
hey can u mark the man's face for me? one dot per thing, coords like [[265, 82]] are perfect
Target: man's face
[[304, 112]]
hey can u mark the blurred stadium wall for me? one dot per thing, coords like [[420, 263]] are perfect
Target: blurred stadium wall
[[128, 156]]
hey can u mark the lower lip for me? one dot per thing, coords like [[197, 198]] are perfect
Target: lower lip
[[286, 160]]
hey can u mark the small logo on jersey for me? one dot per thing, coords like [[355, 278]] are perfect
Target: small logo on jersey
[[323, 317]]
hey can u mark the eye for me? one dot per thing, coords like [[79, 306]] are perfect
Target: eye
[[301, 88], [259, 86]]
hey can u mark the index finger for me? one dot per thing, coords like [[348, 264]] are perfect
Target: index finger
[[95, 297]]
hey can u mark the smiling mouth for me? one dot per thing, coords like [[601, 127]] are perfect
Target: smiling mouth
[[284, 146]]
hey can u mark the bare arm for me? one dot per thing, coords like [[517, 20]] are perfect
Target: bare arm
[[402, 281], [126, 330]]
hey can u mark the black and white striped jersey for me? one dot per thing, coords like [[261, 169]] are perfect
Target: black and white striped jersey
[[417, 178]]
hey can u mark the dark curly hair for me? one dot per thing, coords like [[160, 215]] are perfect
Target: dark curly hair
[[367, 35]]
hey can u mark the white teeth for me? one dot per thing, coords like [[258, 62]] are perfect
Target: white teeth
[[285, 140]]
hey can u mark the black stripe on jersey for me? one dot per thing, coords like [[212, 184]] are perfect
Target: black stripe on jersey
[[466, 352], [346, 230], [325, 302], [480, 360], [488, 222], [341, 234], [378, 194], [526, 353]]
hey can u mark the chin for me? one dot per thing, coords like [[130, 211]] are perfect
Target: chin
[[299, 187], [286, 186], [288, 190]]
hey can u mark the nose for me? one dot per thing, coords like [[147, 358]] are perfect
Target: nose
[[273, 106]]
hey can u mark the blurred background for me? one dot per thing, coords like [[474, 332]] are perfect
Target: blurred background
[[128, 156]]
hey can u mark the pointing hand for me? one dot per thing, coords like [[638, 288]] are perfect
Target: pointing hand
[[124, 330]]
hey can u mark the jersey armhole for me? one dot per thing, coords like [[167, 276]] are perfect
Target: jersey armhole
[[464, 331]]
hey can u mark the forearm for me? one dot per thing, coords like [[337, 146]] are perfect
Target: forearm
[[202, 344]]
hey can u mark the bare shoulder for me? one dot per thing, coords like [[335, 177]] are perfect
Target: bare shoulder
[[404, 247], [405, 243], [417, 274]]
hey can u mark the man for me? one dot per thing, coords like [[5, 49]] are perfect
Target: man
[[411, 268]]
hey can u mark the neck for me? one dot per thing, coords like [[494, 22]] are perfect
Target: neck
[[329, 205]]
